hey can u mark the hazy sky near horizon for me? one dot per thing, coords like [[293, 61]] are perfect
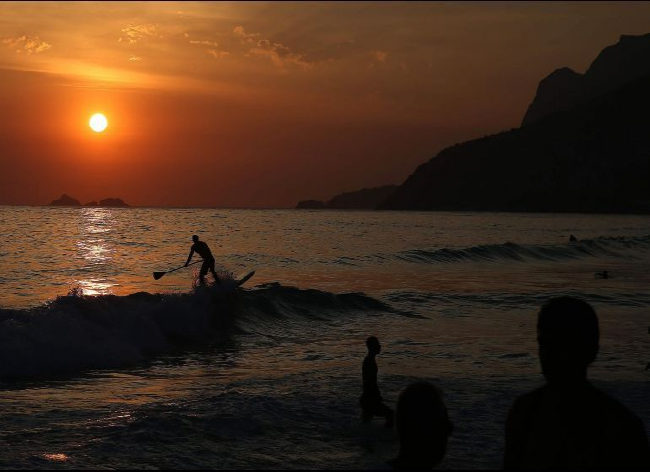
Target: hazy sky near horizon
[[261, 104]]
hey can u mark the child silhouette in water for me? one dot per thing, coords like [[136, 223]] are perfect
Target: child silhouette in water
[[371, 401]]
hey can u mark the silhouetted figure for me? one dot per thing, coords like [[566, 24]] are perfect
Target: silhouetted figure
[[423, 427], [572, 239], [647, 367], [202, 250], [601, 275], [568, 423], [371, 401]]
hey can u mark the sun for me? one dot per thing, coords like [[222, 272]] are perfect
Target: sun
[[98, 122]]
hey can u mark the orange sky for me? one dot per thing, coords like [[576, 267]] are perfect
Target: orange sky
[[264, 104]]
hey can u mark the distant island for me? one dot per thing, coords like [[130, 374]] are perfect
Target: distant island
[[67, 200], [364, 199], [584, 146]]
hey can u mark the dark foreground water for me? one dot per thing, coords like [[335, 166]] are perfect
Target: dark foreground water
[[129, 372]]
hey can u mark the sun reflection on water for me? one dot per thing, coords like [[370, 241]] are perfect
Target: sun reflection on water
[[96, 250], [56, 457], [95, 286]]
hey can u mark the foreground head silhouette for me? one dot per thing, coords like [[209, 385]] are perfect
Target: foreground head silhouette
[[568, 423], [423, 427], [371, 401], [568, 337]]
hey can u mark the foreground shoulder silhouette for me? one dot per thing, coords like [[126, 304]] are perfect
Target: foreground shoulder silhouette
[[568, 423], [423, 427], [371, 401]]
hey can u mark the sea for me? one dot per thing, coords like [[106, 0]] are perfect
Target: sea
[[104, 367]]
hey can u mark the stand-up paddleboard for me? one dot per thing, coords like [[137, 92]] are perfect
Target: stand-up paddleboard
[[226, 286], [245, 278]]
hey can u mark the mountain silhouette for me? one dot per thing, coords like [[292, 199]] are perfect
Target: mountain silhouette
[[616, 65], [592, 158], [367, 198], [311, 205]]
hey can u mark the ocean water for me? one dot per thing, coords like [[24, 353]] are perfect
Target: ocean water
[[101, 366]]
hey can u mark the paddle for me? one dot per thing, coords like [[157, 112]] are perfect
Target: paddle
[[157, 275]]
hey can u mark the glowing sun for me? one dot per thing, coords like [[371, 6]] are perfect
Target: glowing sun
[[98, 122]]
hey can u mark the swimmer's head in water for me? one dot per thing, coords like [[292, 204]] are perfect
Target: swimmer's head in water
[[568, 336], [373, 345]]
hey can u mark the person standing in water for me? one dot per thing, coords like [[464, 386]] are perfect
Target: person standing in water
[[203, 250], [371, 401]]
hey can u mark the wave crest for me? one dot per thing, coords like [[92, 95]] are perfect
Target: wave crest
[[74, 333], [616, 247]]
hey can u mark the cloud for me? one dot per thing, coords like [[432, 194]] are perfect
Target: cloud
[[135, 58], [277, 52], [218, 54], [207, 43], [27, 44], [135, 33], [213, 48], [239, 32], [380, 56]]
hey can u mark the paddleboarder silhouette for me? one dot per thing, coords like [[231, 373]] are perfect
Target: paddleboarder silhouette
[[202, 250]]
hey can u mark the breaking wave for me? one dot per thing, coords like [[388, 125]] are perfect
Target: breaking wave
[[76, 332], [470, 301], [615, 247]]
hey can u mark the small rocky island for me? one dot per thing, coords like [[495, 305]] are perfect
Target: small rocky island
[[65, 200], [68, 201], [112, 202]]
